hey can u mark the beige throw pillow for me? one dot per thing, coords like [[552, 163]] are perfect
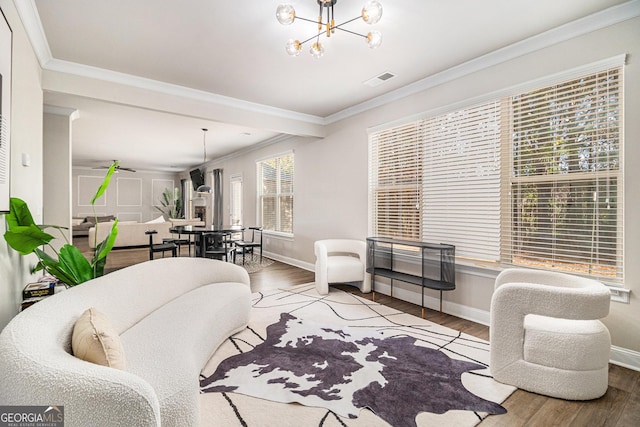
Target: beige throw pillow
[[95, 340]]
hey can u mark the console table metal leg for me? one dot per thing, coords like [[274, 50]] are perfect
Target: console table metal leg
[[373, 287]]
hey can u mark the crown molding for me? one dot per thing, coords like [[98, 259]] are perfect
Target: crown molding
[[30, 18], [588, 24]]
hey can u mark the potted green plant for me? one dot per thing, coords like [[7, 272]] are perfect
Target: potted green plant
[[171, 203], [71, 266]]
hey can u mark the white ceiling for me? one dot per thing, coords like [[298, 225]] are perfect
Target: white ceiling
[[235, 49]]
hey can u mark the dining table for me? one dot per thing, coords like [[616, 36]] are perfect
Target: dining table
[[200, 243]]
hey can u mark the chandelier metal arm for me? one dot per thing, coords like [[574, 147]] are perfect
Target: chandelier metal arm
[[350, 32], [312, 37], [339, 27], [336, 27], [346, 22], [314, 21]]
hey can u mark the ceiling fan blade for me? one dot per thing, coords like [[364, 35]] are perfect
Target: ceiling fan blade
[[118, 168]]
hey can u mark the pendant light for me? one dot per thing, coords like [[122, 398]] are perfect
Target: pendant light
[[204, 188]]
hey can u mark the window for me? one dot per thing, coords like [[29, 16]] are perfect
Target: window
[[275, 193], [566, 192], [395, 176], [235, 210], [532, 179]]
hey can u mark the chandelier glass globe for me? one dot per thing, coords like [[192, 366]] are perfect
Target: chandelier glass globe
[[372, 12], [317, 50], [293, 47], [286, 14], [374, 39]]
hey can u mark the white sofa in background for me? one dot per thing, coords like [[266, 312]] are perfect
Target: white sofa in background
[[341, 261], [131, 233], [171, 314]]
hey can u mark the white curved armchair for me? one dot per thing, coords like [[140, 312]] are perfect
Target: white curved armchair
[[341, 261], [545, 336]]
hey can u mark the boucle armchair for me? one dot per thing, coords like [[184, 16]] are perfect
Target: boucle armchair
[[545, 336], [341, 261]]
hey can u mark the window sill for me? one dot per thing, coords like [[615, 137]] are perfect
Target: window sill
[[278, 235]]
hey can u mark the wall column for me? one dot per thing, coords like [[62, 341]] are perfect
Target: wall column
[[57, 190]]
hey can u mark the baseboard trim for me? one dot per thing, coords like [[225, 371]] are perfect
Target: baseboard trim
[[291, 261], [626, 358]]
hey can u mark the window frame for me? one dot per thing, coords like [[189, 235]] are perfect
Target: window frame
[[277, 196]]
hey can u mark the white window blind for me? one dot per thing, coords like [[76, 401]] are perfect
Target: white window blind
[[566, 184], [395, 181], [461, 186], [275, 193]]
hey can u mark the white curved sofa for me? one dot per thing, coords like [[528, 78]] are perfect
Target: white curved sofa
[[171, 314]]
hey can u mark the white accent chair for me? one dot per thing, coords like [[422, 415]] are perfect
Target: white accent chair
[[341, 261], [545, 334]]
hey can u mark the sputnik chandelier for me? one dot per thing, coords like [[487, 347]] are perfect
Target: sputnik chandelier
[[371, 14]]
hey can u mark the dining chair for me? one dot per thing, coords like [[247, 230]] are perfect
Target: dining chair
[[160, 247], [218, 245], [179, 242], [248, 246]]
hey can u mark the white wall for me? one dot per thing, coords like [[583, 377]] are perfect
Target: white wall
[[26, 137], [331, 173], [57, 174], [130, 196]]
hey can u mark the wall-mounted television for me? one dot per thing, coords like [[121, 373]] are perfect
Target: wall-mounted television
[[197, 178]]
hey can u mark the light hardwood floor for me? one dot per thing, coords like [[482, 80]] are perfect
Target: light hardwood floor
[[619, 407]]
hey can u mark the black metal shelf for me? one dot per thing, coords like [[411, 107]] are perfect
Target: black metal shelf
[[410, 278], [437, 263]]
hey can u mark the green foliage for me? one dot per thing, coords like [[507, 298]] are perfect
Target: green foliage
[[171, 203], [71, 266]]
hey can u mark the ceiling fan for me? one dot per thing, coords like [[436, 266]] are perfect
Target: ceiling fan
[[118, 168]]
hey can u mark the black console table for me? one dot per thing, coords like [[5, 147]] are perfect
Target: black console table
[[437, 270]]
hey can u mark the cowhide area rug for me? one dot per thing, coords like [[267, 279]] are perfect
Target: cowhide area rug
[[340, 360]]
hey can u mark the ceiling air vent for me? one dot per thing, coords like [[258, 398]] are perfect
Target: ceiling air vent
[[378, 80]]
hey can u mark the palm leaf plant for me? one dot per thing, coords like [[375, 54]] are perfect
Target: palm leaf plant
[[68, 265], [171, 203]]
